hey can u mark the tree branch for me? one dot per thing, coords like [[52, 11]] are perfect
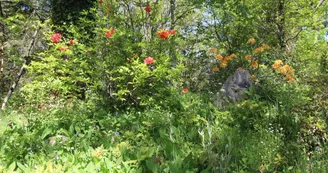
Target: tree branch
[[291, 38]]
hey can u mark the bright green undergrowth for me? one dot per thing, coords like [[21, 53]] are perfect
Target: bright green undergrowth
[[194, 137]]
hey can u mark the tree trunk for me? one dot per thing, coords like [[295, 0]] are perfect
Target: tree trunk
[[22, 71], [172, 51], [2, 42], [281, 26]]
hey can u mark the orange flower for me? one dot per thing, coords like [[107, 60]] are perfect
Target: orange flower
[[265, 46], [233, 55], [63, 48], [228, 58], [240, 68], [215, 69], [224, 63], [282, 70], [251, 41], [248, 57], [277, 64], [287, 67], [258, 50], [213, 50], [219, 57], [254, 64], [289, 78], [291, 72]]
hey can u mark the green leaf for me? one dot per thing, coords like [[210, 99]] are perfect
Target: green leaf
[[22, 167], [109, 163], [151, 165], [174, 168], [46, 132], [12, 167]]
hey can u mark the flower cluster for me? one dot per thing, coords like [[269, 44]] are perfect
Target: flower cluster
[[164, 34], [56, 37], [148, 9], [215, 69], [261, 48], [248, 57], [149, 60], [251, 41], [110, 33], [213, 50], [65, 48], [254, 63], [223, 60], [71, 42], [219, 57], [185, 90], [284, 70]]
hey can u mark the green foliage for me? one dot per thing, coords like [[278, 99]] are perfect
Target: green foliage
[[69, 12], [150, 140], [119, 87]]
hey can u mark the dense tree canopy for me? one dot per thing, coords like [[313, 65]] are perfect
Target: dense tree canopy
[[134, 86]]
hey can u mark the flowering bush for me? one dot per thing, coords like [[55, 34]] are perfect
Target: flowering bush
[[104, 66]]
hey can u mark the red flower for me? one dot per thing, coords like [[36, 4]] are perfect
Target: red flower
[[100, 1], [164, 35], [171, 32], [148, 8], [149, 60], [110, 33], [185, 90], [71, 42], [56, 37]]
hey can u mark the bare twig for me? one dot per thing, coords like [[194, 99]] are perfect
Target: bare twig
[[319, 4], [291, 38]]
